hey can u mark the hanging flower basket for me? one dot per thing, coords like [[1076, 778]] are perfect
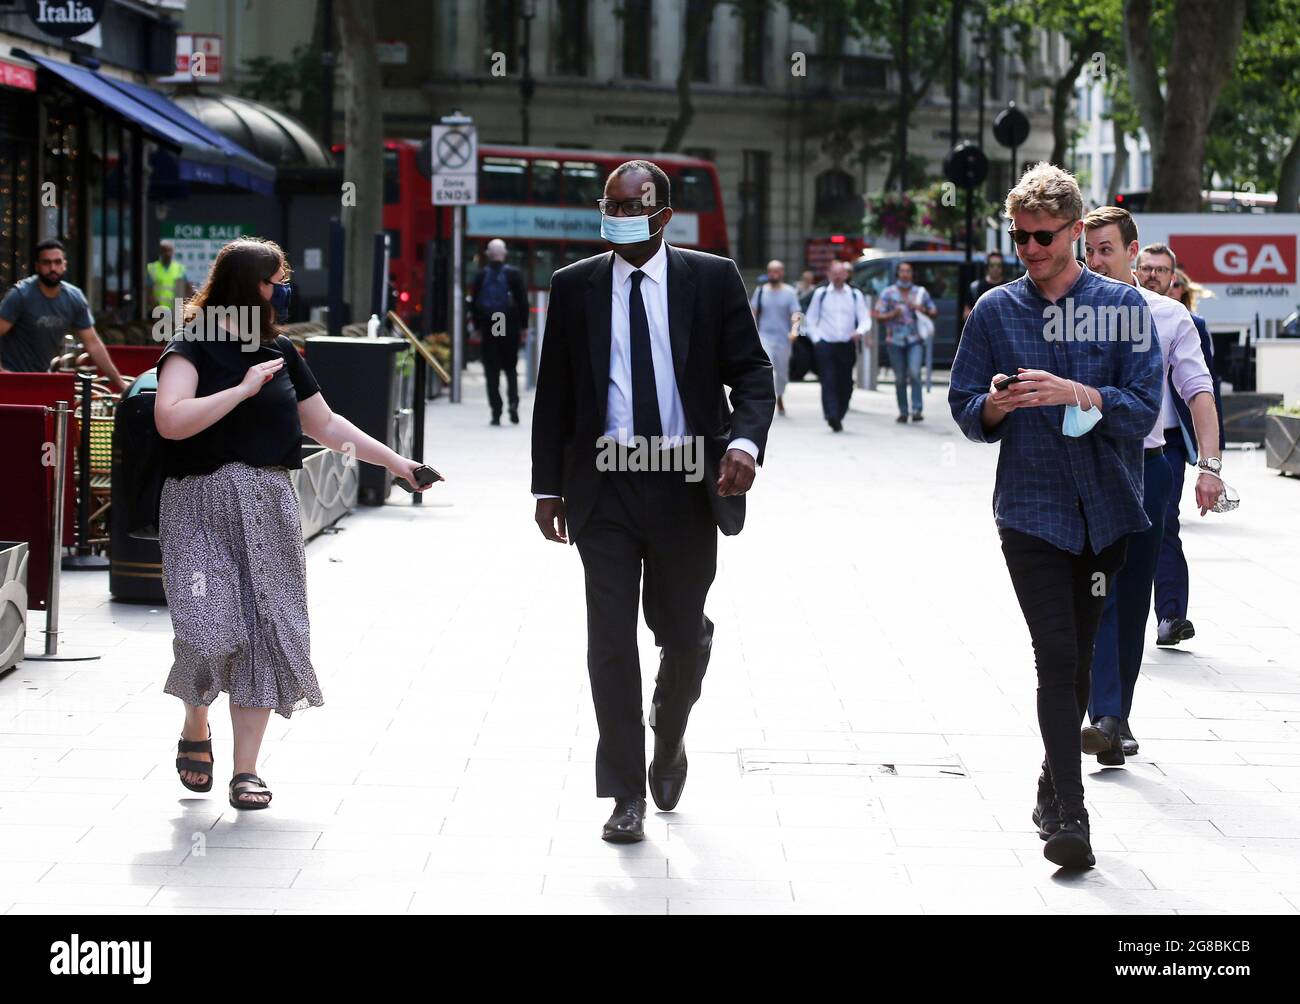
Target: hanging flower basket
[[890, 213]]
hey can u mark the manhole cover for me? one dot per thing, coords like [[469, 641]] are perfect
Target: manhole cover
[[832, 762]]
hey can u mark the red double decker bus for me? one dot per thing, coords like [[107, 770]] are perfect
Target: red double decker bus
[[542, 202]]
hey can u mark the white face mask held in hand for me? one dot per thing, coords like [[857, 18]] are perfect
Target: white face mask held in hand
[[1076, 421], [1228, 498]]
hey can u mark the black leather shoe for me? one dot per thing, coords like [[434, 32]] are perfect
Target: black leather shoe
[[1173, 630], [917, 416], [627, 824], [1071, 845], [514, 416], [667, 776], [1101, 739], [1127, 743], [835, 424], [496, 419], [1046, 814], [901, 419]]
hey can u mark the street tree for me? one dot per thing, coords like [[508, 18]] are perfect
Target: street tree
[[363, 161]]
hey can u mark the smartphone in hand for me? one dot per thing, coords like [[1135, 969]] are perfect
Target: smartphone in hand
[[424, 477], [1005, 383]]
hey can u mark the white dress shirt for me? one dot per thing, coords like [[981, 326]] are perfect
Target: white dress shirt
[[1180, 345], [836, 315], [618, 405]]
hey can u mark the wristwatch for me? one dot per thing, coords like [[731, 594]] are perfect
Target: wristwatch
[[1212, 464]]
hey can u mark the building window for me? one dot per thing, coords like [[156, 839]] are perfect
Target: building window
[[1107, 169], [636, 39], [699, 15], [17, 187], [571, 41], [866, 72], [753, 31], [1145, 181], [753, 207], [837, 204], [500, 20]]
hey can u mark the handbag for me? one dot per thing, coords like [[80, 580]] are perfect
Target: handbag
[[924, 322]]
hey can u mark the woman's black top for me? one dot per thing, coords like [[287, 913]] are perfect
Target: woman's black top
[[263, 431]]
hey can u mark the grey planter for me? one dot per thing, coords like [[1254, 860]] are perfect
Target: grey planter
[[1243, 415], [13, 603], [1282, 443]]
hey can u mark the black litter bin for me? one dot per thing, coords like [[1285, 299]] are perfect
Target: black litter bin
[[135, 572], [360, 380]]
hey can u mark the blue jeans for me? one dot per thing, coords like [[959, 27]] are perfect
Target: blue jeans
[[906, 363], [1117, 651]]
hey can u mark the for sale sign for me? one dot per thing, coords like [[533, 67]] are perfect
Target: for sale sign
[[1247, 260]]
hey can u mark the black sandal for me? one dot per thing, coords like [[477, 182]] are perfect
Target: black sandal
[[237, 798], [195, 766]]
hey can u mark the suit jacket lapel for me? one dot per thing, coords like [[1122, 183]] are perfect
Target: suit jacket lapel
[[681, 306], [600, 290]]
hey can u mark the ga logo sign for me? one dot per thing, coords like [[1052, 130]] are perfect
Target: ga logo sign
[[1237, 258]]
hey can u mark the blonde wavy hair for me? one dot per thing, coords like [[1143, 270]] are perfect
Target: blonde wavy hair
[[1046, 188]]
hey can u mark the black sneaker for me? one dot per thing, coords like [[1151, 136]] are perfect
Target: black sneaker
[[1071, 845], [1046, 814], [917, 416], [514, 416], [901, 420], [1173, 630], [496, 419], [835, 424]]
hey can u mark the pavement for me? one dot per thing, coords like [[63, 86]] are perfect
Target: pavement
[[866, 741]]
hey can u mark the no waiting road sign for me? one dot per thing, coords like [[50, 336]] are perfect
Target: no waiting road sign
[[454, 157]]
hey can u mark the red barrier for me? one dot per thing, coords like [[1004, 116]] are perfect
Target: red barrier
[[42, 389], [132, 360], [26, 504]]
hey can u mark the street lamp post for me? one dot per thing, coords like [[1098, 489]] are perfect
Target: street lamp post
[[526, 83]]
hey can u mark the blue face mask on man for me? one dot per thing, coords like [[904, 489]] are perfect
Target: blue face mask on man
[[627, 229], [1077, 422]]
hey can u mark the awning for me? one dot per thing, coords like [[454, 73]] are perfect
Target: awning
[[203, 155]]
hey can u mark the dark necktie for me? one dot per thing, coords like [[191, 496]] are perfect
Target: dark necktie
[[645, 399]]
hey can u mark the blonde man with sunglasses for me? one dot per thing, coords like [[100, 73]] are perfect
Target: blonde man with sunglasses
[[1053, 367]]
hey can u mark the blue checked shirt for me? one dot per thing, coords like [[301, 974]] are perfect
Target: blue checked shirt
[[1057, 487]]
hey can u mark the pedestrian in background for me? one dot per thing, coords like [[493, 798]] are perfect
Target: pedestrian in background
[[1070, 415], [1158, 271], [232, 406], [167, 281], [836, 321], [37, 313], [900, 308], [776, 311], [994, 276], [499, 305]]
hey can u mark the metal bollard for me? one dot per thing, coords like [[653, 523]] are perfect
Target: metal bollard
[[533, 348]]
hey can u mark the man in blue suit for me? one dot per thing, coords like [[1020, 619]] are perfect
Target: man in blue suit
[[1156, 265]]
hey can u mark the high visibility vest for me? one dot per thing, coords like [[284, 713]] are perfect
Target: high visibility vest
[[164, 279]]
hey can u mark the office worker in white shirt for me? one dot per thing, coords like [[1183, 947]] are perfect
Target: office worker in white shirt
[[837, 319], [639, 460]]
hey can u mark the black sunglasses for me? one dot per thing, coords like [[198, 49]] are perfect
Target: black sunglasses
[[1044, 237]]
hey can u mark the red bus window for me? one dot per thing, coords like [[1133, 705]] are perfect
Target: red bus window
[[584, 183], [693, 191], [501, 179], [546, 181], [392, 187]]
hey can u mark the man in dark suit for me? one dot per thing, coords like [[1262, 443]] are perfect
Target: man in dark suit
[[1156, 269], [499, 304], [638, 459]]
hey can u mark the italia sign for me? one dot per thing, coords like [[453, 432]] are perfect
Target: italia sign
[[65, 19]]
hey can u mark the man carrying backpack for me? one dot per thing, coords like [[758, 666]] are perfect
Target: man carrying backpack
[[499, 305]]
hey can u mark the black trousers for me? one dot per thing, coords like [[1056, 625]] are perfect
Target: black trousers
[[656, 528], [500, 356], [1062, 596], [835, 371]]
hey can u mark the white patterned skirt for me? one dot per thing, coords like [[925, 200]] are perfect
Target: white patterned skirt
[[235, 578]]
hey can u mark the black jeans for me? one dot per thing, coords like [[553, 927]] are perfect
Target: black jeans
[[1062, 596], [500, 354], [835, 371]]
